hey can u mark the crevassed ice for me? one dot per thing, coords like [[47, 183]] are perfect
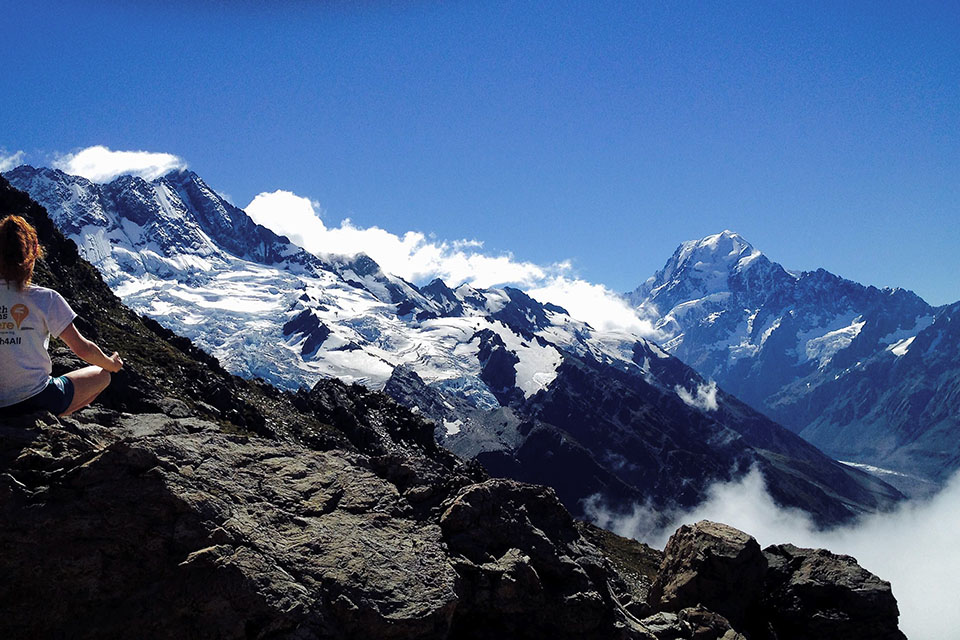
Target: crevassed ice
[[823, 348]]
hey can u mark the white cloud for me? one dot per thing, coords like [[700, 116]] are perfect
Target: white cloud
[[417, 258], [101, 164], [593, 303], [914, 547], [706, 398], [9, 161], [412, 256]]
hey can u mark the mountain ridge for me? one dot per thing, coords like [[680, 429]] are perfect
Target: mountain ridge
[[486, 355]]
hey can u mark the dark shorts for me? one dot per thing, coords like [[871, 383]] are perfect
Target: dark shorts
[[55, 398]]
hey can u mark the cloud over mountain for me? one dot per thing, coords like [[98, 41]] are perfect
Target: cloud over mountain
[[101, 164], [10, 160], [418, 258]]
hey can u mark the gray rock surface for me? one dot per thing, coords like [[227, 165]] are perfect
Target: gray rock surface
[[813, 593], [175, 530], [148, 526]]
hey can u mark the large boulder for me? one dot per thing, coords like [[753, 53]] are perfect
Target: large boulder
[[715, 582], [813, 593], [713, 565]]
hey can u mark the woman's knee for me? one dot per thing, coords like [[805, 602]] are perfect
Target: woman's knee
[[89, 380], [104, 378]]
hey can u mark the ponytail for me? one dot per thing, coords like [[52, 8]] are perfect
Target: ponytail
[[19, 250]]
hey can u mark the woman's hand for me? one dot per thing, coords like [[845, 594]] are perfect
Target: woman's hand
[[115, 363]]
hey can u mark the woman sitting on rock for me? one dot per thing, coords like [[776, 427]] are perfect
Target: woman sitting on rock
[[29, 315]]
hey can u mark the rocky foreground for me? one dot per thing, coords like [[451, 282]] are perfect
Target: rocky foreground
[[154, 526]]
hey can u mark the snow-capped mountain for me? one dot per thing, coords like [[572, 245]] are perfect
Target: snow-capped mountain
[[512, 381], [789, 343]]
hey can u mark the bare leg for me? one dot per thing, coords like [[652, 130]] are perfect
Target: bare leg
[[88, 383]]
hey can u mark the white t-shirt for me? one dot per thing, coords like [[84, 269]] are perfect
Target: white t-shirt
[[27, 320]]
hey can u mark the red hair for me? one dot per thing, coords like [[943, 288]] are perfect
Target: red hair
[[19, 250]]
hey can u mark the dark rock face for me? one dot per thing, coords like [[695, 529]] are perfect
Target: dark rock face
[[498, 370], [781, 593], [517, 550], [308, 325], [812, 593], [163, 525], [523, 313], [665, 450]]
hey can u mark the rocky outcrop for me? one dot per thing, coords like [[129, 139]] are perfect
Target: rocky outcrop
[[515, 546], [781, 593], [116, 525], [713, 565], [813, 593]]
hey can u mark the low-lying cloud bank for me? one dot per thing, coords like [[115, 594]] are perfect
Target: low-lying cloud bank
[[419, 259], [915, 547]]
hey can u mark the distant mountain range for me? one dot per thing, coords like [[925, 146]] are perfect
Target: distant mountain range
[[518, 384], [868, 375]]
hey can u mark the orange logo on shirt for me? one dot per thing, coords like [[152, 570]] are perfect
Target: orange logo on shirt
[[19, 313]]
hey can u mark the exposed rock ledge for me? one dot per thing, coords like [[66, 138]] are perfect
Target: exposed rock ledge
[[151, 526], [162, 527]]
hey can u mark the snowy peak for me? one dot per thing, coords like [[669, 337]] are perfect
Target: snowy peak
[[786, 343], [444, 297], [725, 248], [175, 224], [78, 201], [711, 266], [229, 226]]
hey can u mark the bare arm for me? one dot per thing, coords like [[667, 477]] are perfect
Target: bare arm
[[90, 352]]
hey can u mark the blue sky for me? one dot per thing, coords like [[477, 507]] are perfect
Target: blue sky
[[603, 133]]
